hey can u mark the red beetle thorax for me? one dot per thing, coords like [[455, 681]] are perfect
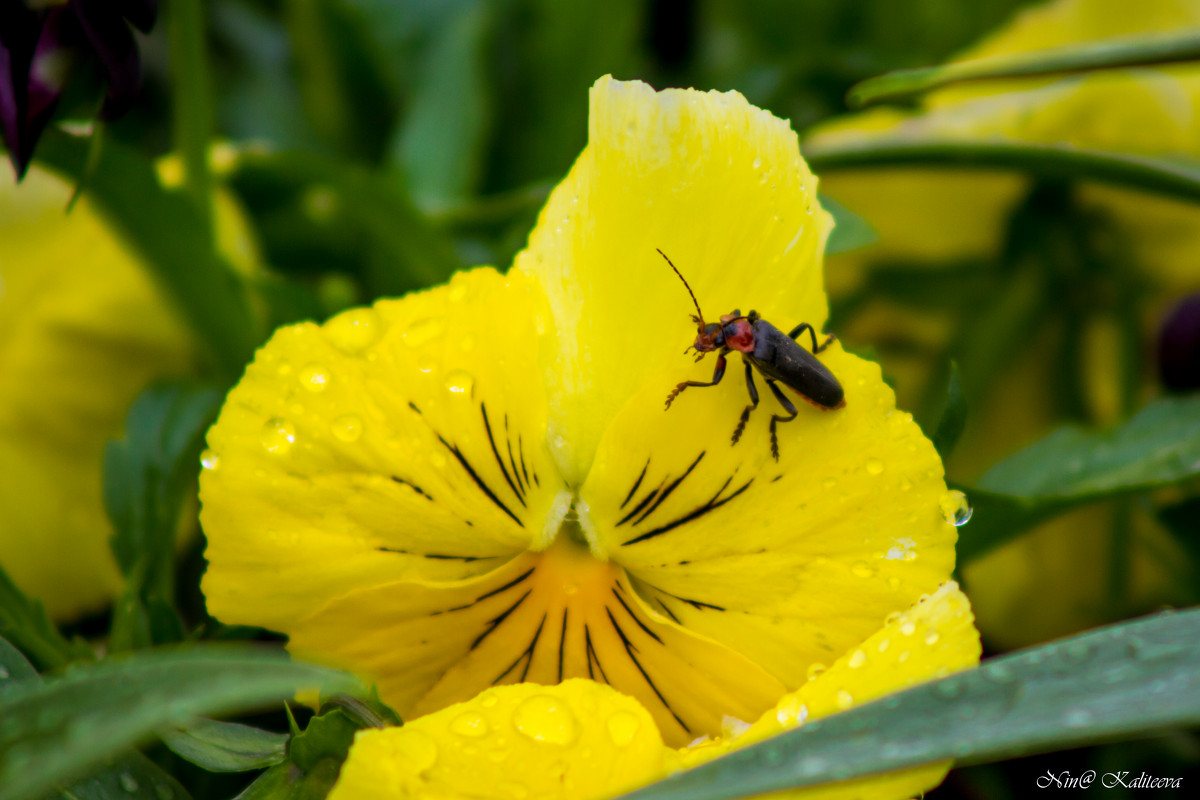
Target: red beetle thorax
[[743, 340]]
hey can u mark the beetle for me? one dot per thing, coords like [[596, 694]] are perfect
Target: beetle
[[779, 358]]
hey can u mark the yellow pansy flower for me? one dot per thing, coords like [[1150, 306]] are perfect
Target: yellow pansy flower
[[478, 485], [952, 218]]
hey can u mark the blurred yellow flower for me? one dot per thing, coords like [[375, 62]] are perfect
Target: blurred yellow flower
[[477, 485], [952, 219], [82, 331]]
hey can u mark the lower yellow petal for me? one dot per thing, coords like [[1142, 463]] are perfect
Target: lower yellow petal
[[579, 739]]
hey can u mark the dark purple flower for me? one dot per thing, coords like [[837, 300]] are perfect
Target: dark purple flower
[[39, 49], [1179, 346]]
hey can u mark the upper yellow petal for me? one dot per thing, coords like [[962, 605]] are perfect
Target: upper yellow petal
[[716, 184]]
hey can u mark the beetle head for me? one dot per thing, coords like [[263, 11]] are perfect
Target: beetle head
[[708, 337]]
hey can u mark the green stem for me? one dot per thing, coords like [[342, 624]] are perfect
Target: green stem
[[191, 94], [1141, 51]]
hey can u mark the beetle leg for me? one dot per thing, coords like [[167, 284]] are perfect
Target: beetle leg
[[737, 434], [777, 418], [804, 326], [718, 373]]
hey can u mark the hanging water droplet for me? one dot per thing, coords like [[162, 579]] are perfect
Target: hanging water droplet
[[314, 377], [622, 727], [209, 459], [469, 724], [955, 508], [278, 435], [460, 383], [347, 428], [546, 719], [874, 466]]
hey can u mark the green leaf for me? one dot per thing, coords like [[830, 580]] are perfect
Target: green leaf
[[286, 782], [147, 475], [1072, 467], [225, 746], [1128, 680], [94, 711], [26, 625], [439, 147], [954, 415], [13, 666], [1168, 48], [327, 736], [191, 96], [128, 777], [850, 231], [1176, 177], [166, 229]]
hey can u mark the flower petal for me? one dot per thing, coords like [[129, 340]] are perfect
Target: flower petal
[[713, 182], [760, 555], [932, 639], [397, 442], [577, 740]]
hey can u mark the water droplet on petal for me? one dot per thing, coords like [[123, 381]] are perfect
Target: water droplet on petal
[[874, 466], [426, 364], [815, 669], [844, 699], [622, 727], [931, 638], [955, 508], [489, 701], [210, 460], [469, 724], [353, 331], [908, 628], [422, 331], [460, 383], [420, 751], [546, 719], [758, 163], [278, 435], [314, 377], [347, 428], [858, 659], [862, 569]]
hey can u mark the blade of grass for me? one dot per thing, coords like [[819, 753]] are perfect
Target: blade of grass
[[191, 97], [1123, 681], [905, 84], [1171, 177]]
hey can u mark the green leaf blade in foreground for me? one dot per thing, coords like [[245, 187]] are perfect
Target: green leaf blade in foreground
[[1123, 681], [1171, 177], [1071, 467], [225, 746], [905, 84], [57, 730]]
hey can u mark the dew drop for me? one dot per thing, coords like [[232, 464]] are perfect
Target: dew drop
[[1077, 718], [546, 719], [278, 435], [931, 638], [874, 466], [426, 364], [908, 628], [1079, 651], [128, 782], [314, 377], [622, 727], [950, 689], [862, 569], [844, 699], [210, 460], [815, 669], [488, 701], [758, 163], [420, 751], [460, 383], [347, 428], [469, 724], [955, 508], [4, 673], [858, 659], [998, 672], [353, 331]]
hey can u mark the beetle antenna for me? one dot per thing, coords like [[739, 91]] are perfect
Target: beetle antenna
[[685, 283]]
